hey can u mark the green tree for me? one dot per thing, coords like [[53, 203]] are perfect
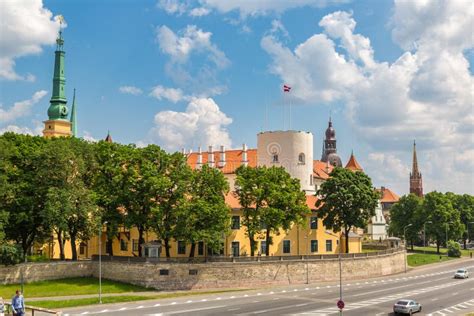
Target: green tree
[[465, 205], [206, 215], [143, 178], [21, 198], [170, 197], [454, 250], [271, 200], [403, 213], [347, 200], [438, 209]]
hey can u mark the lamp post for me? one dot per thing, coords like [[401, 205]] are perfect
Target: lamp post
[[340, 270], [405, 237], [424, 235], [100, 261], [307, 256]]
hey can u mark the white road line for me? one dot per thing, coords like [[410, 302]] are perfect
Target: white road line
[[194, 310]]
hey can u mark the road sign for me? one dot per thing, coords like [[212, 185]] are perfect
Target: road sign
[[340, 304]]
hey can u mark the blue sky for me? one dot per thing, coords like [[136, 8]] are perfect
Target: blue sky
[[151, 72]]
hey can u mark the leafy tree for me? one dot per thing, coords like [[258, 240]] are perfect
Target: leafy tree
[[465, 205], [454, 249], [20, 196], [438, 209], [347, 200], [170, 196], [206, 215], [271, 200], [285, 203], [108, 185], [403, 213], [142, 181], [9, 254], [69, 205]]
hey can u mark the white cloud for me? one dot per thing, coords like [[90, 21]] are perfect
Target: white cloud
[[21, 108], [200, 11], [425, 94], [88, 137], [37, 130], [25, 27], [172, 6], [130, 90], [201, 124], [263, 7], [171, 94]]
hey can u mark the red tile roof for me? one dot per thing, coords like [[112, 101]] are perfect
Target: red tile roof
[[388, 196], [233, 159], [321, 169], [233, 202], [353, 165]]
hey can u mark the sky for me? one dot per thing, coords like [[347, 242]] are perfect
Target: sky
[[183, 74]]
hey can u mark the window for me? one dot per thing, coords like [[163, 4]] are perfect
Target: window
[[181, 248], [314, 246], [82, 248], [286, 246], [235, 248], [301, 159], [164, 272], [235, 222], [201, 248], [310, 179], [135, 245], [108, 247], [314, 222], [263, 247], [328, 245], [123, 245], [193, 272], [275, 158]]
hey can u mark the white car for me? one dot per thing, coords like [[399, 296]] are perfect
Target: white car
[[461, 274]]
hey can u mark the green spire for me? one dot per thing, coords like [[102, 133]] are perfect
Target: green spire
[[73, 116], [58, 109]]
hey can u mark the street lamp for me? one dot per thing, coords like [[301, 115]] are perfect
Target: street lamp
[[340, 269], [307, 256], [100, 261], [405, 237], [424, 235]]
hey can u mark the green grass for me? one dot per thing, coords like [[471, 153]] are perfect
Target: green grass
[[432, 250], [52, 304], [419, 259], [71, 286], [370, 250]]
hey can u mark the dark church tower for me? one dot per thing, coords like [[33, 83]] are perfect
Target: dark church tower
[[416, 185], [329, 148]]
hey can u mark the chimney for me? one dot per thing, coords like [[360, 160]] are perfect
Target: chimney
[[245, 161], [210, 157], [222, 157], [199, 158]]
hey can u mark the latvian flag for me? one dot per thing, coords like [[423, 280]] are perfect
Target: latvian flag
[[286, 88]]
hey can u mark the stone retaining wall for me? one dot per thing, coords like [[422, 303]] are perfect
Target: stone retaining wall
[[182, 276]]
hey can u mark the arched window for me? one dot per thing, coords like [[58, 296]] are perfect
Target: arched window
[[301, 159], [275, 158]]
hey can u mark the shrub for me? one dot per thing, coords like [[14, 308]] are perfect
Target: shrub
[[10, 254], [454, 249]]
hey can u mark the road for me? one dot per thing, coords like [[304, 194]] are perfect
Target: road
[[433, 286]]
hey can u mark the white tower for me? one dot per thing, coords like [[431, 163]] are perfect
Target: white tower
[[292, 150]]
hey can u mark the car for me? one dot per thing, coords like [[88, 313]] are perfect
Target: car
[[461, 274], [406, 306]]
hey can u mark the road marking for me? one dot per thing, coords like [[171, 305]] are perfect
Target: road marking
[[194, 310], [233, 309], [141, 306], [122, 309]]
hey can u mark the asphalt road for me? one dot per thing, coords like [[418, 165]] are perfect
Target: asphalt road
[[433, 286]]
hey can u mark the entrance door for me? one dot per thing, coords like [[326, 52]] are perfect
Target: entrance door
[[235, 249]]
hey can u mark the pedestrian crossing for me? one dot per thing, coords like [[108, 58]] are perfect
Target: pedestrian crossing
[[455, 309], [383, 299]]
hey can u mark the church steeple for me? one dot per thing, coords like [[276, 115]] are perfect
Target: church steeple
[[73, 116], [58, 123], [329, 148], [416, 184]]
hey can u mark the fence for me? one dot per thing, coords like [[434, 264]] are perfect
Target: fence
[[243, 259], [32, 309]]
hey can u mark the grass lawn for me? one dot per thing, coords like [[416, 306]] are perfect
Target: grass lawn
[[370, 250], [419, 259], [118, 299], [432, 250], [72, 286]]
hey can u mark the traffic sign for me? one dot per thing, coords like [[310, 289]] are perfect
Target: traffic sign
[[340, 304]]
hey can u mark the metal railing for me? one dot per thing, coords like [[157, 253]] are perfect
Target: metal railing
[[243, 259], [33, 309]]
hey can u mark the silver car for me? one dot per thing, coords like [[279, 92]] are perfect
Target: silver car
[[461, 274], [406, 307]]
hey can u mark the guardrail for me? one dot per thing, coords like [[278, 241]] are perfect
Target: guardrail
[[243, 259], [33, 309]]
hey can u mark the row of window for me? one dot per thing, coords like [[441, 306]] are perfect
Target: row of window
[[313, 223], [301, 158]]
